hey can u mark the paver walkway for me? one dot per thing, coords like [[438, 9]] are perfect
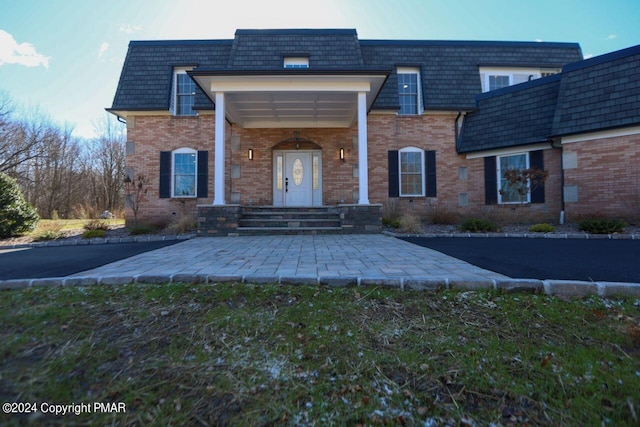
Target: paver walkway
[[304, 257]]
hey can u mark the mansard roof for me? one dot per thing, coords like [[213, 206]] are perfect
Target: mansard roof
[[512, 116], [449, 69], [597, 94]]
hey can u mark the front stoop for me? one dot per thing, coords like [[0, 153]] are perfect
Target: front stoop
[[238, 220]]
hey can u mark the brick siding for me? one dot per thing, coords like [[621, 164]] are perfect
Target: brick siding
[[607, 178], [253, 185]]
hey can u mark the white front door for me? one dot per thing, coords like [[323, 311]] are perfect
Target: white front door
[[297, 178]]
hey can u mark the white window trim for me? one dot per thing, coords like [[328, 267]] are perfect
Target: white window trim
[[416, 71], [499, 174], [535, 73], [411, 150], [173, 172], [295, 62], [174, 92]]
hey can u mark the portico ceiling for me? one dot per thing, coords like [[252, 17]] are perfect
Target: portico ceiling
[[288, 100]]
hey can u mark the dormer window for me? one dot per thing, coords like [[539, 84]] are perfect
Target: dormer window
[[492, 78], [183, 95], [409, 91], [296, 62]]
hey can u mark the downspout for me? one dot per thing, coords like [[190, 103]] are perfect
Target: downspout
[[121, 120], [458, 129], [562, 206]]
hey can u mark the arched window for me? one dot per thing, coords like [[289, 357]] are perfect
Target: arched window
[[411, 171], [185, 172]]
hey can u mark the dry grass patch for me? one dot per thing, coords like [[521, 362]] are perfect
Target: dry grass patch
[[238, 354]]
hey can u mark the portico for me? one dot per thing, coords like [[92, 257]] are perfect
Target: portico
[[294, 99]]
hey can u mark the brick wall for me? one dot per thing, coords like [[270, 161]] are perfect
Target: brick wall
[[251, 181], [153, 134], [607, 178], [255, 182], [437, 132]]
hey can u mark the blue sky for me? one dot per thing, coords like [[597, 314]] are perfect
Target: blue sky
[[65, 57]]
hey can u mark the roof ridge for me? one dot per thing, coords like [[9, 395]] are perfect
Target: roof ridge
[[601, 59], [296, 31], [180, 42], [506, 43]]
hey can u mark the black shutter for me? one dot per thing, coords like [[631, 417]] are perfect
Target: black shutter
[[536, 162], [394, 175], [165, 175], [430, 161], [203, 164], [490, 181]]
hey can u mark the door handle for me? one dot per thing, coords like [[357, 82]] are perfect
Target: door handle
[[286, 185]]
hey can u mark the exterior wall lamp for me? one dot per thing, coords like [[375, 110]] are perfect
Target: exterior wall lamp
[[342, 154], [250, 154]]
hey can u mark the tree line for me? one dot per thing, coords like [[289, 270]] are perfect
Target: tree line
[[61, 175]]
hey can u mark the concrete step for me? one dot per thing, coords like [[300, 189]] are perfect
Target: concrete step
[[257, 231]]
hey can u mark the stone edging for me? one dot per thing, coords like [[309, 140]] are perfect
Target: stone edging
[[584, 236], [567, 288], [98, 241]]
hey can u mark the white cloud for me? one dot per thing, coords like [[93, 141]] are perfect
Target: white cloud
[[129, 29], [588, 55], [22, 54], [612, 36], [104, 47]]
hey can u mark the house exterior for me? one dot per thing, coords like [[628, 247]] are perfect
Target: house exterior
[[314, 119], [581, 125]]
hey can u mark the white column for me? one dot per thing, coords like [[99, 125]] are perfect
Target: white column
[[363, 174], [218, 179]]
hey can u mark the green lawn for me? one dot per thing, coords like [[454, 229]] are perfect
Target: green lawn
[[238, 354]]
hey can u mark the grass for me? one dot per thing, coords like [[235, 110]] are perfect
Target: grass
[[52, 229], [239, 354], [72, 224]]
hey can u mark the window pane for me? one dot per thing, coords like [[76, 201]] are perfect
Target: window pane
[[497, 82], [408, 93], [279, 172], [411, 185], [184, 165], [509, 191], [316, 178], [411, 173], [185, 185], [185, 95]]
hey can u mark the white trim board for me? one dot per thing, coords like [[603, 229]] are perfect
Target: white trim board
[[509, 150], [612, 133]]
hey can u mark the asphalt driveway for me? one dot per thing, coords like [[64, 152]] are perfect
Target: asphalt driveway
[[568, 259], [60, 261], [562, 259]]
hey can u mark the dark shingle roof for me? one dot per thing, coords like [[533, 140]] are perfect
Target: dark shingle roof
[[145, 81], [450, 74], [450, 69], [516, 115], [265, 49], [596, 94], [599, 93]]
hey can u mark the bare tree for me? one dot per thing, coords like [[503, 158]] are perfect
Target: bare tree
[[59, 173], [108, 152], [16, 144], [136, 192]]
